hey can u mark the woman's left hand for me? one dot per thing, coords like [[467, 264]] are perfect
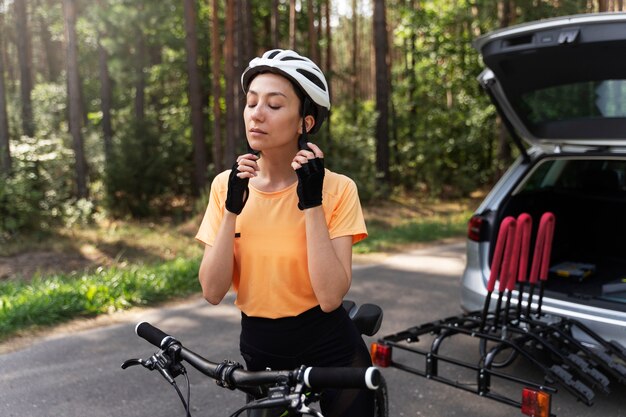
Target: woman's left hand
[[309, 166]]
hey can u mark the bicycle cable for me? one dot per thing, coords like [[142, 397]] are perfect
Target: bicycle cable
[[249, 406], [180, 394]]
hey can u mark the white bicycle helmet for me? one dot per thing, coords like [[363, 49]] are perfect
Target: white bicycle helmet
[[301, 71]]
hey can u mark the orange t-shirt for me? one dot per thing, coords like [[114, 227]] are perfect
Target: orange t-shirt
[[270, 274]]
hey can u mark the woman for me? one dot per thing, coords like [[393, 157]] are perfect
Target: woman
[[279, 228]]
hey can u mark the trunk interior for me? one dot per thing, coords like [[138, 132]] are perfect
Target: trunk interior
[[589, 205]]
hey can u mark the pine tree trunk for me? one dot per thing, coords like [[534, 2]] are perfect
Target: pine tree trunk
[[50, 54], [275, 24], [195, 97], [382, 94], [106, 101], [73, 85], [328, 68], [355, 54], [106, 97], [247, 40], [503, 149], [243, 52], [292, 24], [603, 5], [313, 44], [5, 150], [140, 62], [216, 58], [24, 55], [320, 24], [140, 78], [412, 58], [329, 45], [230, 81]]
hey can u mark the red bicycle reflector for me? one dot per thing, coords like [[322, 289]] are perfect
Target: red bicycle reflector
[[473, 228], [535, 403], [381, 355]]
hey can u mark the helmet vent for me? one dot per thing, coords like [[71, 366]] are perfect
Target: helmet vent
[[313, 78], [292, 58]]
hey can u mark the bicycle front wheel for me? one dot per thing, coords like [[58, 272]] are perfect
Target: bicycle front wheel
[[381, 400]]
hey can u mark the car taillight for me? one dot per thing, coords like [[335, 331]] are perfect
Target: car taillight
[[535, 403], [381, 355], [474, 228]]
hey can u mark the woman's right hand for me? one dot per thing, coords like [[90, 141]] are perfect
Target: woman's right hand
[[237, 195]]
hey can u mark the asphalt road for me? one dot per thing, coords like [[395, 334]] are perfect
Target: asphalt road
[[77, 374]]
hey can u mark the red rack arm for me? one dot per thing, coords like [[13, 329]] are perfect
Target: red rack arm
[[496, 263]]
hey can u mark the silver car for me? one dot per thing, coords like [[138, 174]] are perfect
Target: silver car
[[560, 87]]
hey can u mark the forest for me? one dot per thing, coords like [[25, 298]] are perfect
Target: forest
[[129, 108]]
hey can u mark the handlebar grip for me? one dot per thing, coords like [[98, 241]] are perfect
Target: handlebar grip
[[342, 377], [155, 336]]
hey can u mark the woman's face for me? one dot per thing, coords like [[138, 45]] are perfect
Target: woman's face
[[272, 113]]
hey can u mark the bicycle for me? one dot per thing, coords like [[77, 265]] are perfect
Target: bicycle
[[271, 393]]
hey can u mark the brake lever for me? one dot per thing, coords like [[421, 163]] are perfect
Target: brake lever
[[158, 362], [299, 400], [151, 363], [133, 362]]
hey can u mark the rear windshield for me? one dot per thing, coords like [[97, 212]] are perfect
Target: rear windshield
[[568, 110], [574, 101], [590, 176]]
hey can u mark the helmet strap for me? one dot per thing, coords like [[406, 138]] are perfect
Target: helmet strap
[[250, 150], [302, 140]]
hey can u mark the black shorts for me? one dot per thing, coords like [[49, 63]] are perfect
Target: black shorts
[[313, 338]]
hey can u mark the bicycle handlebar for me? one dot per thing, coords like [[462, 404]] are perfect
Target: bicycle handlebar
[[320, 377], [231, 374], [154, 335]]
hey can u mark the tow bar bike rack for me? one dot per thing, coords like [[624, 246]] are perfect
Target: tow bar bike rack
[[510, 328]]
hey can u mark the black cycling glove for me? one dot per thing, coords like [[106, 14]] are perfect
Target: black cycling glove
[[238, 191], [310, 182]]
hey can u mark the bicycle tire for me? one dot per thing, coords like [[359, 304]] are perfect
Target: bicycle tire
[[381, 400]]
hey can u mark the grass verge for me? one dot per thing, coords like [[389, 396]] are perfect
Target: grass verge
[[55, 299], [383, 238]]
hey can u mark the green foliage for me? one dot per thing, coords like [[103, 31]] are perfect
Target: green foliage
[[143, 171], [35, 196], [40, 192], [152, 157], [52, 300], [19, 203], [443, 131], [50, 108], [443, 122], [351, 149]]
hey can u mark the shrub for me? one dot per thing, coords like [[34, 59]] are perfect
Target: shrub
[[145, 170], [352, 149], [34, 195]]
